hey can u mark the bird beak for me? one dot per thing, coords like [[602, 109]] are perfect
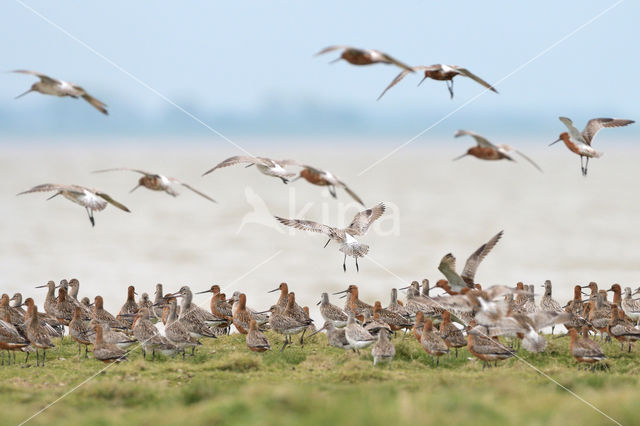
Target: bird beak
[[28, 91], [41, 286], [274, 290], [54, 195], [176, 294], [263, 312], [555, 142], [636, 291], [206, 291], [317, 331], [317, 304], [343, 296], [340, 292], [404, 288], [586, 294], [423, 79], [135, 293], [584, 286], [134, 188], [459, 157]]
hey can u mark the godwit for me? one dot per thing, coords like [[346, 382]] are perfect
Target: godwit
[[72, 295], [452, 335], [584, 349], [394, 306], [129, 309], [261, 317], [417, 303], [418, 326], [629, 306], [576, 308], [220, 308], [432, 343], [158, 302], [448, 266], [144, 301], [357, 56], [15, 316], [393, 319], [621, 330], [196, 319], [113, 337], [91, 199], [80, 331], [176, 331], [345, 237], [157, 182], [597, 314], [64, 308], [106, 352], [256, 340], [373, 324], [149, 337], [383, 350], [50, 298], [485, 348], [580, 143], [51, 86], [266, 166], [335, 336], [325, 178], [241, 317], [617, 294], [36, 334], [102, 316], [10, 338], [285, 324], [353, 303], [294, 311], [547, 303], [283, 288], [312, 327], [440, 72], [356, 335], [331, 313], [486, 150]]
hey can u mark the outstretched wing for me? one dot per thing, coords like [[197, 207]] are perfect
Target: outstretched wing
[[117, 169], [363, 220], [474, 260], [99, 105], [47, 187], [573, 132], [595, 124], [400, 76], [331, 49], [528, 159], [475, 78], [45, 78], [350, 192], [480, 140], [448, 268], [307, 225], [394, 61], [231, 161], [186, 185], [112, 201]]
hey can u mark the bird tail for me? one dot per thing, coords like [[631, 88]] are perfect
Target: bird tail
[[355, 250]]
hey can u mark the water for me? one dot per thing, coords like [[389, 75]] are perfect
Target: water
[[558, 225]]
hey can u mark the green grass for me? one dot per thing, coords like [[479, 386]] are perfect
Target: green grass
[[226, 384]]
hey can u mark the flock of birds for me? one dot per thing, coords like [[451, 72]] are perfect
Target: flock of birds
[[465, 315]]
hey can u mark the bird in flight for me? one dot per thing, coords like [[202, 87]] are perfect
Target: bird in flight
[[343, 236], [486, 150], [448, 266], [91, 199], [51, 86], [325, 178], [440, 72], [357, 56], [157, 182], [580, 143], [266, 166]]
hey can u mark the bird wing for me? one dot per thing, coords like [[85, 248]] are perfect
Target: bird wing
[[400, 76], [45, 78], [99, 105], [528, 159], [231, 161], [394, 61], [544, 319], [480, 140], [595, 124], [331, 49], [289, 162], [573, 132], [475, 78], [307, 225], [363, 220], [142, 172], [448, 268], [46, 187], [112, 201], [474, 260], [350, 192], [186, 185]]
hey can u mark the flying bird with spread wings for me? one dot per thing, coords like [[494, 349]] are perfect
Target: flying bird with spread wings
[[343, 236], [486, 150], [440, 72], [356, 56], [580, 143], [266, 166], [325, 178], [91, 199], [448, 266], [54, 87], [157, 182]]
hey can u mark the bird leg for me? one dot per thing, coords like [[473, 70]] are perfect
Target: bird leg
[[450, 87], [344, 263], [586, 166], [285, 180], [91, 219], [86, 349], [144, 354], [332, 191], [357, 267], [44, 356], [79, 350], [37, 358], [302, 337], [134, 188]]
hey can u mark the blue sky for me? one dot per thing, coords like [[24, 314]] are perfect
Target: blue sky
[[229, 60]]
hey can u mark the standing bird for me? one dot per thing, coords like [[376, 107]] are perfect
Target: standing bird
[[356, 334], [584, 349], [331, 313], [547, 303], [580, 143], [440, 72], [335, 336], [36, 333], [266, 166], [157, 182], [91, 199], [129, 309], [345, 237], [432, 343], [486, 150], [383, 350], [106, 352], [357, 56], [256, 340], [458, 282], [51, 86], [325, 178]]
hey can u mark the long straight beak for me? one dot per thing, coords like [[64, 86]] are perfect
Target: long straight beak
[[317, 331], [404, 288], [459, 157], [134, 188], [336, 60], [327, 243], [555, 142], [54, 195], [423, 79], [343, 296], [206, 291], [28, 91], [340, 292], [41, 286], [274, 290], [263, 312], [317, 304]]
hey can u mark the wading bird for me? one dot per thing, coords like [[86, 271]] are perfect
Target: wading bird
[[486, 150], [325, 178], [266, 166], [357, 56]]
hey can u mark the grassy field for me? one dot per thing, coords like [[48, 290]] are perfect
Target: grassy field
[[224, 383]]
